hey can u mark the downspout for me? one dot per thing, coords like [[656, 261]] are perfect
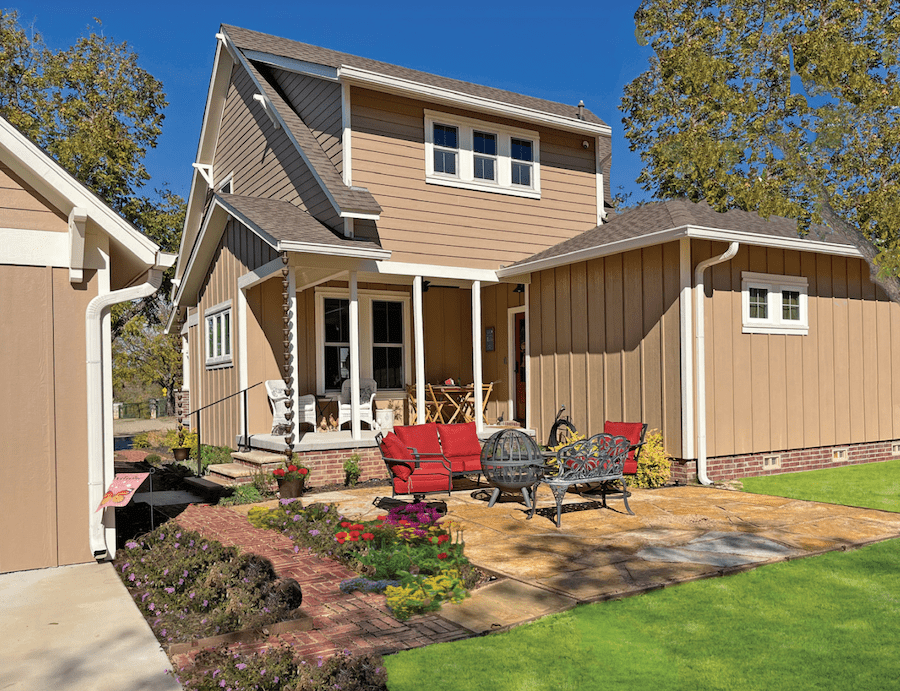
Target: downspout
[[95, 406], [700, 369]]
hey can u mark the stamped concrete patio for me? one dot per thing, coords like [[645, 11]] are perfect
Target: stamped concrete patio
[[677, 534]]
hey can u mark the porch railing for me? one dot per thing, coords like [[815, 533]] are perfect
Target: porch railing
[[246, 437]]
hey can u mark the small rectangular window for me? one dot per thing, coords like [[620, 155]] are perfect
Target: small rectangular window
[[484, 147], [387, 344], [446, 146], [522, 157], [218, 336], [759, 303], [337, 342], [773, 304], [790, 305]]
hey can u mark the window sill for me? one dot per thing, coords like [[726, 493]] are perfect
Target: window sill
[[526, 192], [219, 365], [776, 330]]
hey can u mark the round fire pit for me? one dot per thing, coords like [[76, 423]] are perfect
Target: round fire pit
[[512, 462]]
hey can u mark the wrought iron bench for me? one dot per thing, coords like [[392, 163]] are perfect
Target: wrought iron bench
[[598, 459]]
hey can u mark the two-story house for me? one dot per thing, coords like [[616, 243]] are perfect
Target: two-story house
[[352, 219]]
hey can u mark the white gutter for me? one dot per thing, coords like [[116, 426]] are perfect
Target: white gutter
[[95, 404], [700, 382]]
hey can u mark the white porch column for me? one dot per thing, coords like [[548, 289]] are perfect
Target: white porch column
[[419, 335], [476, 354], [354, 358]]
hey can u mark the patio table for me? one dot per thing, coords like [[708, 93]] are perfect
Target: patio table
[[458, 402]]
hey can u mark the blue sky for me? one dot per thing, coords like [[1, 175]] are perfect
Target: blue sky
[[566, 52]]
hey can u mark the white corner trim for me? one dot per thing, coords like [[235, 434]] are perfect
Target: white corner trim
[[346, 136], [77, 221], [459, 99], [687, 350]]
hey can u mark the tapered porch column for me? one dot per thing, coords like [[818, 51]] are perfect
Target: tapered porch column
[[354, 358], [419, 331], [476, 354]]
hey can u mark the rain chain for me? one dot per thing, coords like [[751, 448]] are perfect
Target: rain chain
[[288, 378]]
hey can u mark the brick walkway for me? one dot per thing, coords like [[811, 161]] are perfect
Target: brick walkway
[[358, 622]]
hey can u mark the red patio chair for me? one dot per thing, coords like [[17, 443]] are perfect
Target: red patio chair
[[421, 439], [409, 473], [461, 447], [634, 432]]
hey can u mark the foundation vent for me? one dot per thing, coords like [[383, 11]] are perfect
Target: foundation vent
[[771, 462], [895, 448], [839, 454]]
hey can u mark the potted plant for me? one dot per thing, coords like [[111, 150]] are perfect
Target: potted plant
[[291, 480], [181, 452]]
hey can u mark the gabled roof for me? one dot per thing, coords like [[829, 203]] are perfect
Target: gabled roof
[[659, 222], [255, 41], [131, 251]]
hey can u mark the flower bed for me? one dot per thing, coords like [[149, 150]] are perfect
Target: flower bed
[[409, 546], [189, 587]]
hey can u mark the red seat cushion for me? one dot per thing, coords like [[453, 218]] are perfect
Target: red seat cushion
[[631, 431], [459, 440], [393, 448], [422, 438], [422, 482]]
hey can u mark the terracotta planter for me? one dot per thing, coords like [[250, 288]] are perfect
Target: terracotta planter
[[181, 453], [290, 489]]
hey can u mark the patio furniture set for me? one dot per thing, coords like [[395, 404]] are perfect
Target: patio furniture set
[[449, 403], [424, 459]]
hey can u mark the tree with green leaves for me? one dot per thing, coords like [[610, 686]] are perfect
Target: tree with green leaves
[[97, 112], [782, 107]]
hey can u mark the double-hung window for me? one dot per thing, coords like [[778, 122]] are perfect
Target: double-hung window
[[477, 155], [384, 337], [773, 304], [218, 335]]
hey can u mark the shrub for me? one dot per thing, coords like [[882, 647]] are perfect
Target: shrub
[[140, 441], [345, 672], [352, 470], [654, 466], [418, 594], [190, 587], [242, 494], [153, 458]]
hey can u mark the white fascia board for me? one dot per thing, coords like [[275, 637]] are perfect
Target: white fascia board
[[217, 216], [697, 232], [260, 274], [54, 182], [192, 220], [434, 271], [357, 214], [334, 250], [311, 69], [408, 87]]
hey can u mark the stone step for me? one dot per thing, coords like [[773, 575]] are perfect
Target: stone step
[[230, 470], [208, 487], [264, 460]]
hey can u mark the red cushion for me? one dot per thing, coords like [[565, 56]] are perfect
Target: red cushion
[[632, 432], [459, 440], [422, 482], [465, 464], [422, 438], [393, 448]]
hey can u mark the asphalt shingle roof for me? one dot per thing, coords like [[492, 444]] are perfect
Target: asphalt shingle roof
[[245, 39]]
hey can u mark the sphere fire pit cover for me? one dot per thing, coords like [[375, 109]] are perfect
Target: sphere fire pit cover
[[511, 460]]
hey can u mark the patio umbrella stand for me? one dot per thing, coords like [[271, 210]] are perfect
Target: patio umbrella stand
[[512, 462]]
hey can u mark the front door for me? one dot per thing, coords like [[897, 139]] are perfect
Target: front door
[[519, 344]]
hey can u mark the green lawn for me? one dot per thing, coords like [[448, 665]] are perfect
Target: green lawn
[[871, 485], [827, 622]]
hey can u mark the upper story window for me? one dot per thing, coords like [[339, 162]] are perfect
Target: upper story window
[[468, 153], [218, 335], [773, 304]]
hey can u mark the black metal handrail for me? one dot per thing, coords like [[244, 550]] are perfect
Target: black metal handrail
[[210, 405]]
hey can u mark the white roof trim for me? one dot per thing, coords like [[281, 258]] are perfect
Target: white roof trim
[[311, 69], [460, 273], [459, 99], [58, 185], [697, 232]]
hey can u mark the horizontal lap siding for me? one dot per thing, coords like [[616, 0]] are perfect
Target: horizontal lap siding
[[264, 161], [23, 208], [840, 384], [240, 251], [605, 342], [427, 223]]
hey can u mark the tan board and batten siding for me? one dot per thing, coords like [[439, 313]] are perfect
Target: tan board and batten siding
[[605, 342], [262, 158], [43, 463], [240, 251], [433, 224], [781, 392]]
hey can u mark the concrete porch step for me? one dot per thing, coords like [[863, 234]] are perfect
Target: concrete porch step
[[263, 460]]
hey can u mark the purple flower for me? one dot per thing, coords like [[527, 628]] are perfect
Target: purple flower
[[206, 603], [152, 607], [241, 666], [296, 517], [131, 544], [165, 572], [313, 532], [170, 590], [131, 577], [262, 672]]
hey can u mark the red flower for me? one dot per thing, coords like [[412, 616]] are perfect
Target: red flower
[[303, 471], [341, 535], [357, 526], [381, 518], [442, 555], [368, 536], [278, 472], [345, 524], [442, 539], [354, 534], [354, 537], [292, 468]]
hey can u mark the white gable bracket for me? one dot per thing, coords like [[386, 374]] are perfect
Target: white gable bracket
[[205, 170], [77, 222], [267, 106]]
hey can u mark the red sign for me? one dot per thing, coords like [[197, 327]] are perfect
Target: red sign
[[121, 489]]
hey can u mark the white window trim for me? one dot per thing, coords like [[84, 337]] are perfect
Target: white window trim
[[366, 297], [209, 318], [774, 323], [465, 165]]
